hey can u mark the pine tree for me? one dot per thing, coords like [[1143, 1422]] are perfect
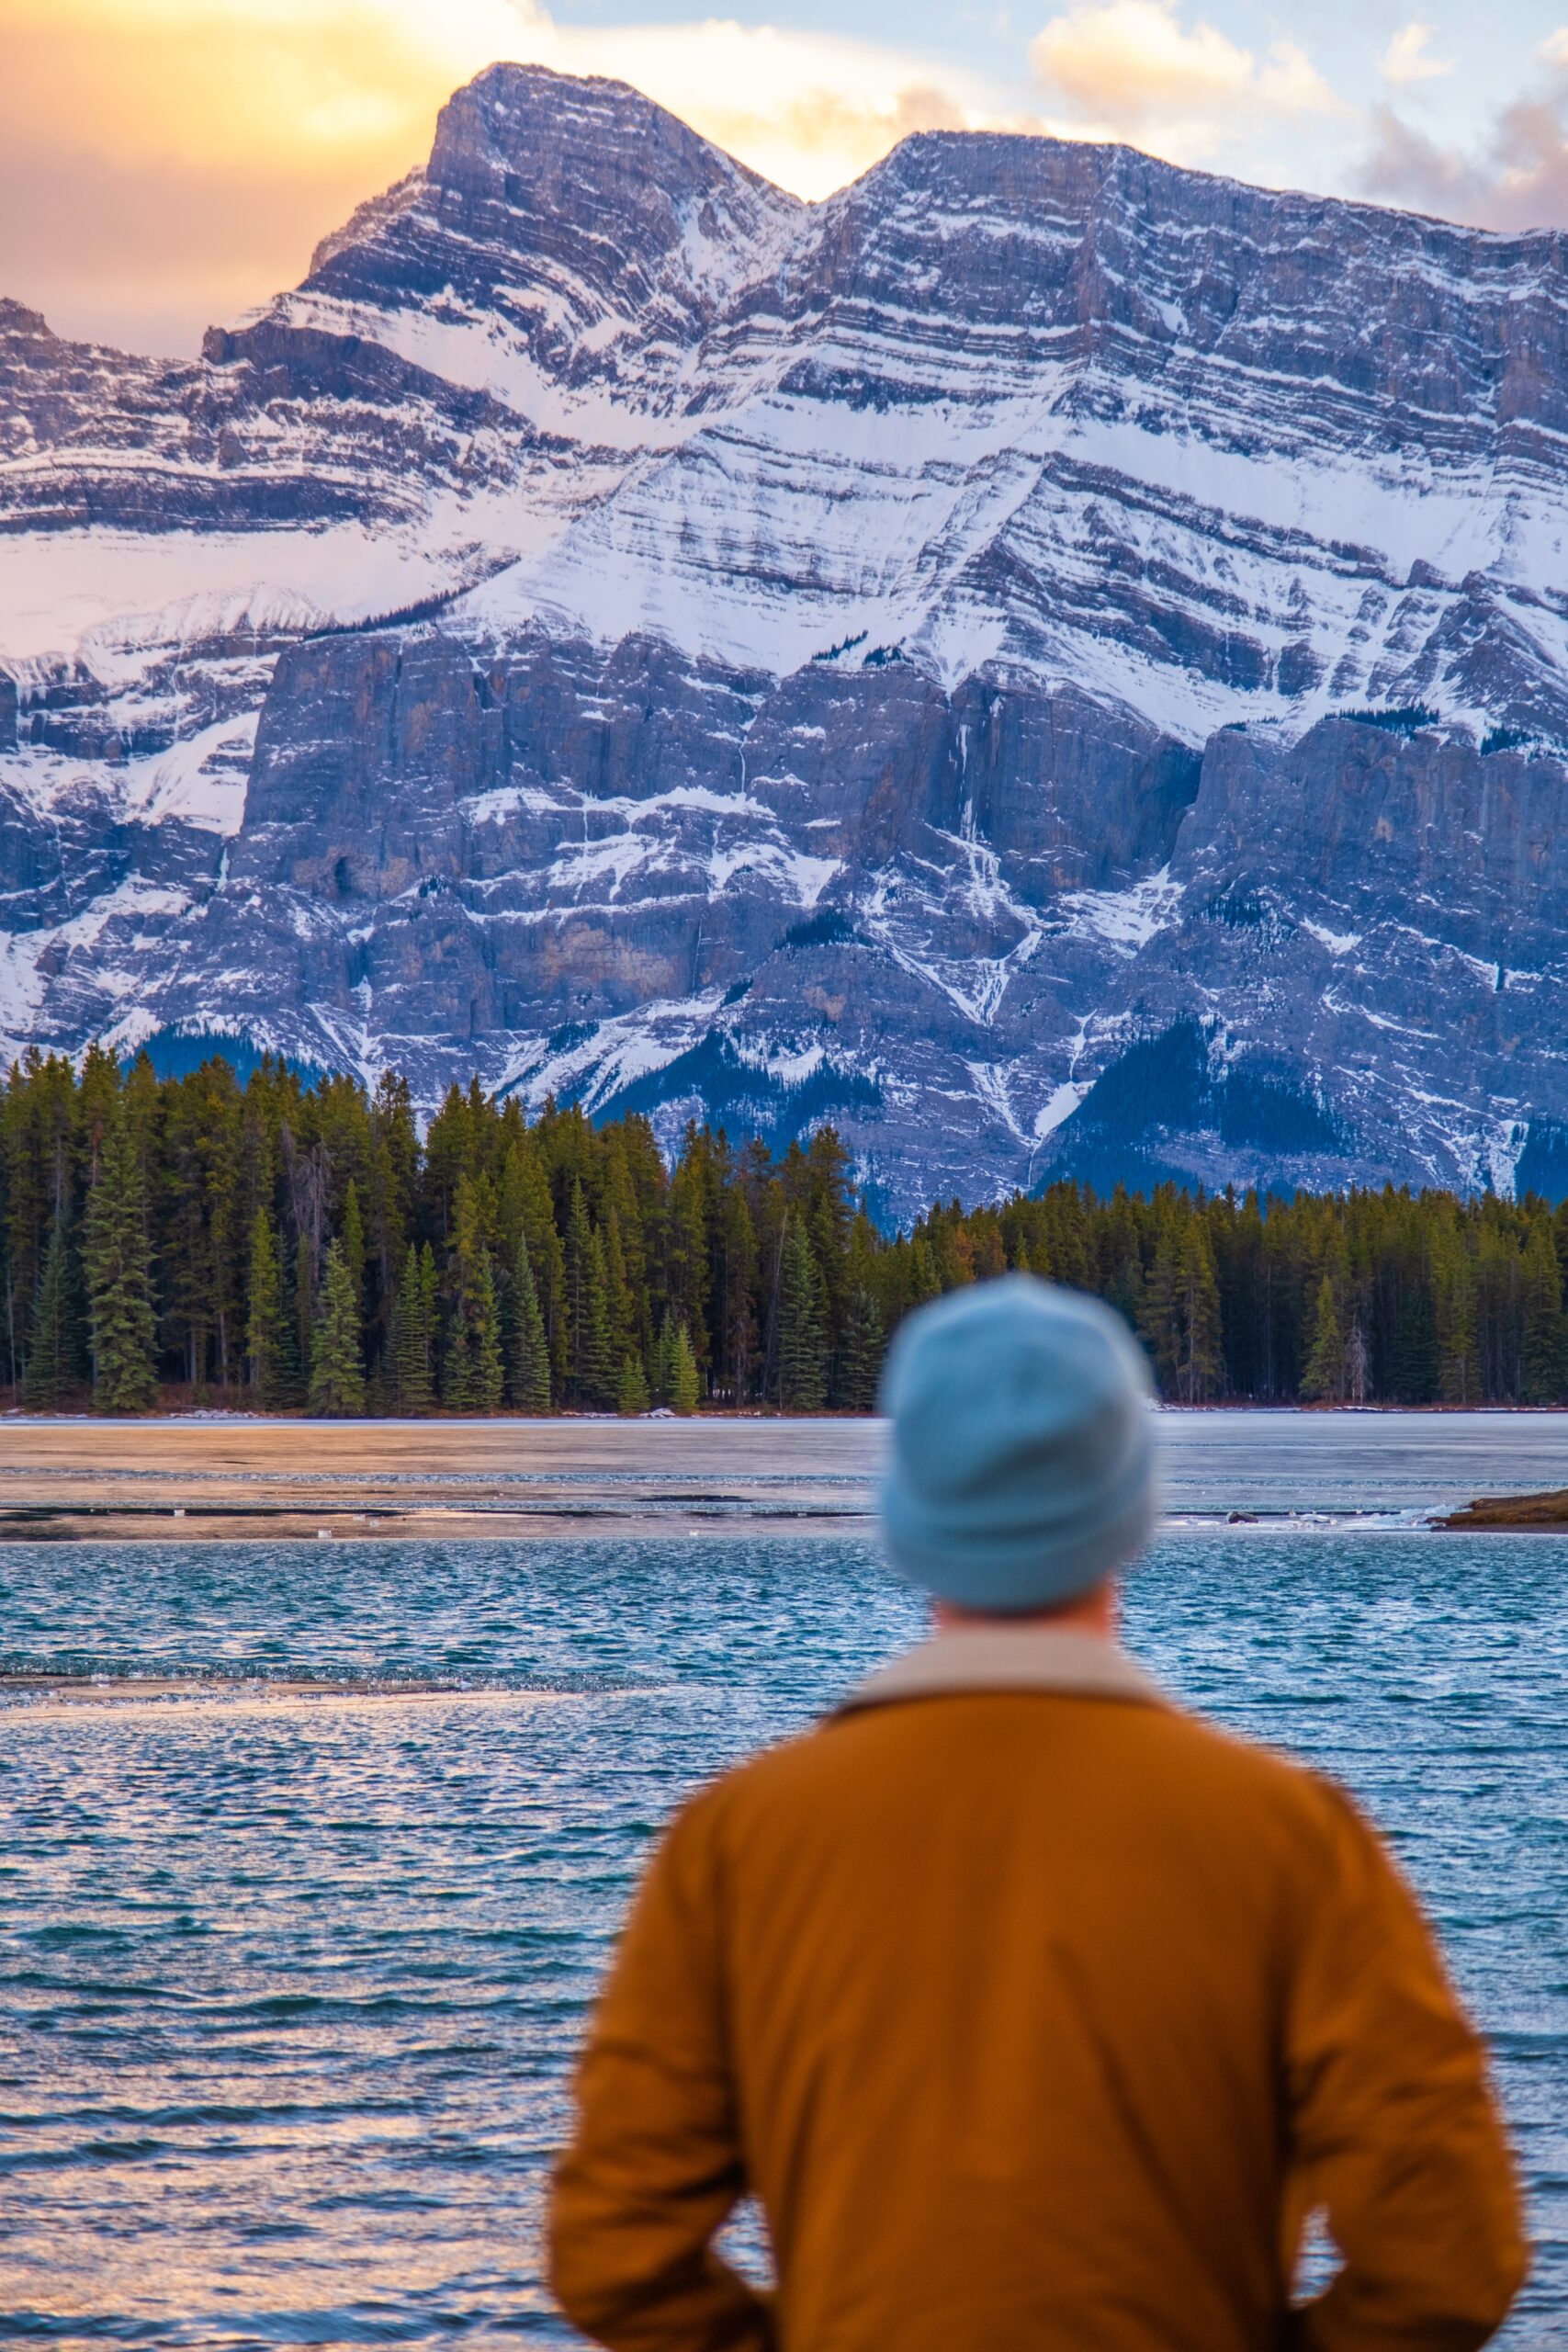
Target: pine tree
[[631, 1395], [686, 1384], [474, 1371], [52, 1353], [1459, 1372], [735, 1353], [530, 1347], [337, 1377], [412, 1317], [1201, 1369], [864, 1345], [117, 1260], [354, 1244], [620, 1308], [1159, 1317], [268, 1336], [1323, 1377], [925, 1283], [803, 1382], [590, 1365], [1180, 1315], [304, 1298], [659, 1360], [1413, 1368], [1542, 1344]]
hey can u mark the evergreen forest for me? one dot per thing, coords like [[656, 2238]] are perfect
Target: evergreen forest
[[279, 1247]]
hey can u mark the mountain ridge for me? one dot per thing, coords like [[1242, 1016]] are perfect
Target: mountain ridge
[[605, 568]]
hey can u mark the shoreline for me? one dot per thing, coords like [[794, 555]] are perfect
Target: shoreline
[[188, 1479], [195, 1523], [237, 1417]]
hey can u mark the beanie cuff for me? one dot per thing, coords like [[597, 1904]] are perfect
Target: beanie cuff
[[1018, 1574]]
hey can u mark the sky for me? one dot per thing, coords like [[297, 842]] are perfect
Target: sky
[[169, 164]]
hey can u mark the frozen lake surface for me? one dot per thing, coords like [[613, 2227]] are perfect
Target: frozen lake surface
[[553, 1478]]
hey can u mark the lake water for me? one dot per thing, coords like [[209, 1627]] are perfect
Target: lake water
[[290, 1980]]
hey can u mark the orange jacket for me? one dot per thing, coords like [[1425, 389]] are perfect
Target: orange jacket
[[1038, 2014]]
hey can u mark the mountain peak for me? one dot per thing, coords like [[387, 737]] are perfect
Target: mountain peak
[[576, 212], [530, 121], [16, 319]]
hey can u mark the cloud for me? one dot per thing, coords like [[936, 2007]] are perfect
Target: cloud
[[1403, 165], [810, 110], [1132, 68], [1406, 60], [167, 162], [144, 255], [1517, 176]]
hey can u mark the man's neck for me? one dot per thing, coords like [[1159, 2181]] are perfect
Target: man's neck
[[1096, 1611]]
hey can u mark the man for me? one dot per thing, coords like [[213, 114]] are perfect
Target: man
[[1038, 2014]]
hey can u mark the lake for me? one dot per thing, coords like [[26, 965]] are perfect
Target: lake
[[292, 1975]]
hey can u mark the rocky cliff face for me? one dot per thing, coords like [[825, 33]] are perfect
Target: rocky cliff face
[[1052, 661]]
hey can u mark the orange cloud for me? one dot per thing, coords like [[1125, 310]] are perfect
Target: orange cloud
[[164, 167], [168, 162], [1131, 67]]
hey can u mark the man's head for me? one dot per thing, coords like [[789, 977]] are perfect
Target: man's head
[[1020, 1474]]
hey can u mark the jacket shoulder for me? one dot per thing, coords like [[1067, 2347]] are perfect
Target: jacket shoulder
[[1175, 1747]]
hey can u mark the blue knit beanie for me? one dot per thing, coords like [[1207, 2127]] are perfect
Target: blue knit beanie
[[1022, 1466]]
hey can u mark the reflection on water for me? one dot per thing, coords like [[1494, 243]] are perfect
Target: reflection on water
[[291, 1980]]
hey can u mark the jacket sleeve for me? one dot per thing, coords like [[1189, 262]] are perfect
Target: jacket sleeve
[[655, 2165], [1394, 2130]]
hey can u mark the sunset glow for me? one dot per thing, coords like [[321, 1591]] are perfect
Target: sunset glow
[[168, 162]]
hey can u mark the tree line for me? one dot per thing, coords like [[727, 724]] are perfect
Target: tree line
[[282, 1248]]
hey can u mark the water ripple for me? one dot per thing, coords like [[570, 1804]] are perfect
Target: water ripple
[[296, 1945]]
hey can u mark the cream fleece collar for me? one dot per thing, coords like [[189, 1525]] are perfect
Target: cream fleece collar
[[1023, 1657]]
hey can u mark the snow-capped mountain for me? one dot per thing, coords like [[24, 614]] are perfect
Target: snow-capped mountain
[[1056, 661]]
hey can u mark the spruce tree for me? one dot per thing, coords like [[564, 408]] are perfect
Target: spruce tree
[[304, 1299], [118, 1261], [412, 1356], [52, 1353], [591, 1368], [620, 1308], [1200, 1371], [864, 1344], [1412, 1370], [803, 1353], [1542, 1339], [473, 1372], [337, 1377], [530, 1347], [1323, 1376], [924, 1282], [267, 1335], [631, 1397], [353, 1248], [1459, 1372], [659, 1360], [686, 1384]]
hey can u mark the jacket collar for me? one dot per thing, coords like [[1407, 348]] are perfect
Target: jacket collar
[[1026, 1657]]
